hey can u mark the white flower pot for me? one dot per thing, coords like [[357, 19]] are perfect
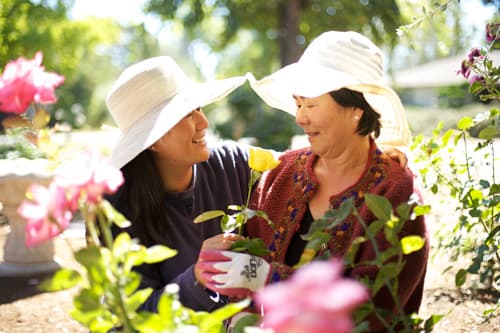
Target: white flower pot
[[18, 259]]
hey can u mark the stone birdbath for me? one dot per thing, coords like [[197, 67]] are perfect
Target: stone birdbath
[[16, 175]]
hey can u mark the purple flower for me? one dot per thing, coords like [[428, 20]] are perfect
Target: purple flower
[[492, 32], [315, 299], [465, 69], [476, 78], [473, 54]]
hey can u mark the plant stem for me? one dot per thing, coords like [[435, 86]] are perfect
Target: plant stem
[[89, 219], [104, 227], [387, 283]]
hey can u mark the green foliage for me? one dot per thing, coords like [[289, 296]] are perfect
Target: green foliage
[[457, 166], [453, 96], [269, 25], [389, 262], [108, 296], [236, 221], [18, 146], [260, 37], [428, 33]]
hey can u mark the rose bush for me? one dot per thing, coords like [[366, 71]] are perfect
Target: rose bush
[[25, 87]]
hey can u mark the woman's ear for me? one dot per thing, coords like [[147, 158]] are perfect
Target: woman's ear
[[358, 113]]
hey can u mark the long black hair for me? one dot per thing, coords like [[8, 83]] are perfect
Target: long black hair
[[370, 120], [142, 200]]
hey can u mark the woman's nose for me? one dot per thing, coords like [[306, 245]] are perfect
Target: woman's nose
[[300, 116], [201, 120]]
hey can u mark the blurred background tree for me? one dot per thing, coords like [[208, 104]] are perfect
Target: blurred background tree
[[215, 39]]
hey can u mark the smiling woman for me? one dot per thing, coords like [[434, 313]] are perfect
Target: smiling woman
[[171, 176]]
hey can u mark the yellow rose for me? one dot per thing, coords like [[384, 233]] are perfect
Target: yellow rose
[[262, 160]]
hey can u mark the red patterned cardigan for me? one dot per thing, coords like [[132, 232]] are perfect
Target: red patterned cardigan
[[283, 193]]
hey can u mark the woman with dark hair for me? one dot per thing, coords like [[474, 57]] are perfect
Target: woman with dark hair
[[171, 175], [336, 95]]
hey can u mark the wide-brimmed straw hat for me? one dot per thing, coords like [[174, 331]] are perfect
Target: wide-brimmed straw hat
[[152, 96], [334, 60]]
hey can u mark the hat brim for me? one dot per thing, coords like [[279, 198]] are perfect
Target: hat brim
[[165, 116], [311, 80]]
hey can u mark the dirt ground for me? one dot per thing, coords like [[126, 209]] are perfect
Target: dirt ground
[[23, 309]]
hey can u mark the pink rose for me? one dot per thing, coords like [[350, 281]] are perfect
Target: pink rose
[[25, 81], [315, 299], [90, 174], [47, 214]]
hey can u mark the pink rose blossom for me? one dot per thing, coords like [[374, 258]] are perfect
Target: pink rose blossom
[[91, 175], [83, 180], [315, 299], [47, 214], [24, 81]]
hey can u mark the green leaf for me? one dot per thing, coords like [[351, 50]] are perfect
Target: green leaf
[[375, 227], [488, 133], [353, 249], [165, 310], [476, 195], [460, 277], [492, 234], [157, 253], [121, 244], [148, 322], [422, 210], [380, 206], [223, 313], [264, 216], [133, 282], [64, 278], [228, 223], [386, 273], [138, 298], [248, 320], [88, 301], [113, 215], [431, 322], [254, 246], [410, 244], [388, 254], [89, 256], [235, 207], [208, 215], [404, 211], [240, 218], [465, 123]]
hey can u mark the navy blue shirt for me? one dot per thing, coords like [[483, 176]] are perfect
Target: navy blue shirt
[[218, 182]]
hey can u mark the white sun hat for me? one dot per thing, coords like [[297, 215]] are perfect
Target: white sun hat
[[335, 60], [152, 96]]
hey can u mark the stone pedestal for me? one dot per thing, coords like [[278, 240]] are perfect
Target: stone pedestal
[[19, 260]]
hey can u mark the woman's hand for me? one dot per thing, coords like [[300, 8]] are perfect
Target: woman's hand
[[397, 155], [219, 242], [233, 274]]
